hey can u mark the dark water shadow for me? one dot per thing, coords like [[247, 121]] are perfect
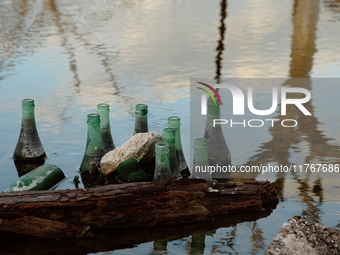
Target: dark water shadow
[[26, 166], [113, 239]]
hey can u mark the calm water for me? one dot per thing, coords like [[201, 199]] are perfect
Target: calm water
[[71, 55]]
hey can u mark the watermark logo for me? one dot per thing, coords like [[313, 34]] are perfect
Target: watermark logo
[[204, 97], [239, 103]]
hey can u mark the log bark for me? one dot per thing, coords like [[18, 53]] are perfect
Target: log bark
[[172, 201]]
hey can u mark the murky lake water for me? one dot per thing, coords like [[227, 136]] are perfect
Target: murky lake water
[[71, 55]]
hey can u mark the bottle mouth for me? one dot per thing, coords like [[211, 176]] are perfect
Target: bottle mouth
[[200, 143], [162, 147], [93, 118], [162, 144], [141, 109], [169, 133], [103, 106], [174, 122], [27, 103]]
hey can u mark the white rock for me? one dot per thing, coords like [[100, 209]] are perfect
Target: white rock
[[300, 237], [141, 146]]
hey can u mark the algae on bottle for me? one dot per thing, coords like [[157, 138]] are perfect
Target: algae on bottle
[[29, 145]]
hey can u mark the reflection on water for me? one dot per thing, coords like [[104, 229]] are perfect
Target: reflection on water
[[193, 238], [220, 47], [70, 56], [25, 166]]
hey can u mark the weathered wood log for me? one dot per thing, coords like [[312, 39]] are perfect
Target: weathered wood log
[[129, 205]]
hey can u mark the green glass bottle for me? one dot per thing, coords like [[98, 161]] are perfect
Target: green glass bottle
[[94, 146], [162, 168], [42, 178], [218, 151], [169, 136], [104, 112], [130, 171], [200, 169], [29, 145], [141, 119], [174, 122]]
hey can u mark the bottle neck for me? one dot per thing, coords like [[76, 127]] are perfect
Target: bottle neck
[[200, 152], [178, 142], [169, 137], [162, 155], [213, 111], [141, 123], [200, 156], [93, 131], [104, 118], [94, 138], [28, 113], [162, 160]]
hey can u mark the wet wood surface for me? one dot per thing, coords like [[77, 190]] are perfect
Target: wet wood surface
[[173, 201]]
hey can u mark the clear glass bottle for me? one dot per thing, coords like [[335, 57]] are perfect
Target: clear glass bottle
[[104, 112], [42, 178], [94, 146], [169, 136], [162, 168], [29, 145], [141, 119], [200, 169], [174, 122], [218, 151]]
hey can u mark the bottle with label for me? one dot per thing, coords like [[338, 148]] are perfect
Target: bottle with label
[[162, 168], [29, 145], [200, 169], [141, 119], [104, 112], [218, 151], [94, 146], [174, 122]]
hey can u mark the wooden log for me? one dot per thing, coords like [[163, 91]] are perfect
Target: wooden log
[[171, 201]]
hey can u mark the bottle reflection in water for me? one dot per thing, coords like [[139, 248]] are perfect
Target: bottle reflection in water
[[26, 166], [29, 145], [160, 245], [91, 180], [94, 146], [218, 151], [162, 168], [104, 112], [197, 244], [141, 119], [200, 169]]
